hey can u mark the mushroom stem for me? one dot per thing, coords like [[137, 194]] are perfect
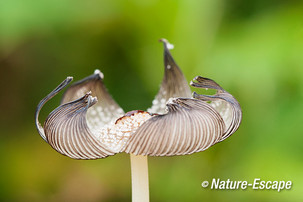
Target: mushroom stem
[[139, 170]]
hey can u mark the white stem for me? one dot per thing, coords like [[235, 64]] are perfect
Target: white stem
[[139, 169]]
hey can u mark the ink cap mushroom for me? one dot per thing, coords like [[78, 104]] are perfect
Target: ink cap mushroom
[[89, 124]]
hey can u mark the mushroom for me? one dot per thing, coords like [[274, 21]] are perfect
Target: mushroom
[[89, 124]]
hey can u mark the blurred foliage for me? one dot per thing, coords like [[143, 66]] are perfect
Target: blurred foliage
[[252, 48]]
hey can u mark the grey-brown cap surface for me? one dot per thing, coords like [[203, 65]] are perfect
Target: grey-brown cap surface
[[87, 127]]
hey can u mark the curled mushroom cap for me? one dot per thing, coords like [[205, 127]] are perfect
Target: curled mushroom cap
[[89, 124]]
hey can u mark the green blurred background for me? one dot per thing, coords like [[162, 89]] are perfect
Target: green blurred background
[[253, 48]]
